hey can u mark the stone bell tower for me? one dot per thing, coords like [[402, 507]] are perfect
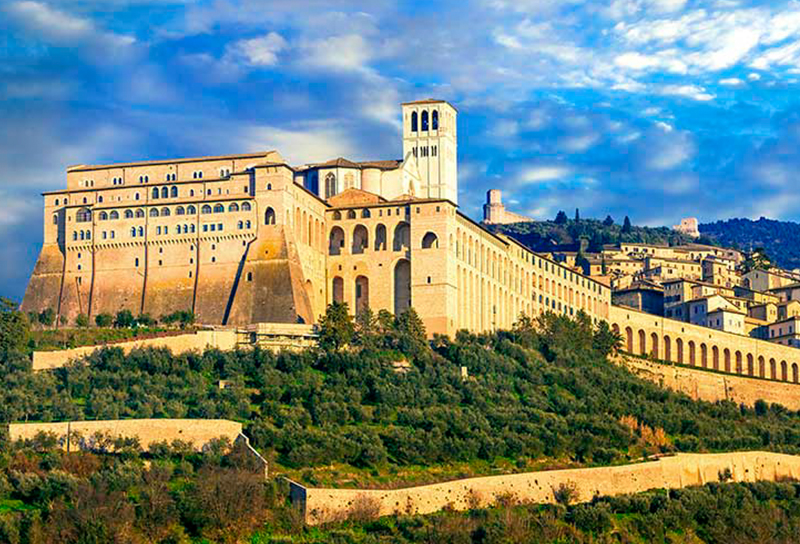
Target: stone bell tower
[[430, 134]]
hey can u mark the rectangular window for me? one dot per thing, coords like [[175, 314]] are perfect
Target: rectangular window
[[205, 228], [213, 227], [219, 226]]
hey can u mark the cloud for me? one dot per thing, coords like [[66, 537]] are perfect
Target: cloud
[[58, 28], [346, 52], [538, 174], [694, 92], [258, 52], [304, 143], [731, 81]]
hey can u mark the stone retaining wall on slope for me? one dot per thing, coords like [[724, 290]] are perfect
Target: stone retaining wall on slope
[[196, 431], [199, 340], [320, 504], [713, 386]]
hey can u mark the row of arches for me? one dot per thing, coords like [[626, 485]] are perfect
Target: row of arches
[[700, 354], [423, 124], [401, 289], [360, 239], [85, 215]]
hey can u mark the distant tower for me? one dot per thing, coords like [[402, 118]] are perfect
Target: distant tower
[[430, 134], [494, 211]]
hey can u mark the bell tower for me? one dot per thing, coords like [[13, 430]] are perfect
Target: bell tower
[[430, 134]]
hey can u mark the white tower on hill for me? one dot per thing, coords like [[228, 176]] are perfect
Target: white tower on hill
[[430, 134]]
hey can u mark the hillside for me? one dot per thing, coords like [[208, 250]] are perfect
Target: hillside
[[780, 239], [544, 236], [540, 396]]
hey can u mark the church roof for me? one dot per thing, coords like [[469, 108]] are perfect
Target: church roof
[[341, 162], [262, 154]]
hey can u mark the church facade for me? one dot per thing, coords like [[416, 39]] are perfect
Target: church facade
[[249, 238]]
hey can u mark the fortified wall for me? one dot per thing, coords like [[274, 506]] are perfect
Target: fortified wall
[[198, 432], [703, 347], [702, 384], [320, 505]]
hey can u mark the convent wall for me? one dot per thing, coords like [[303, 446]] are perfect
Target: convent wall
[[198, 432], [321, 504]]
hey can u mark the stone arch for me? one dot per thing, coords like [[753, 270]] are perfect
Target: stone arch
[[738, 362], [794, 373], [402, 286], [784, 372], [773, 369], [667, 348], [402, 236], [679, 348], [692, 354], [336, 239], [726, 358], [703, 355], [380, 237], [430, 240], [338, 289], [269, 216], [762, 367], [362, 293], [715, 357], [360, 239], [654, 345], [750, 365], [642, 342], [628, 339]]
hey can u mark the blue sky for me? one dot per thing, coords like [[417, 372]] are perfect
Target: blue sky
[[657, 109]]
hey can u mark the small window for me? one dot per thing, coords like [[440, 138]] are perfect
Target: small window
[[191, 210], [234, 207], [219, 208], [246, 206], [173, 192], [179, 210], [249, 276], [136, 262], [205, 209]]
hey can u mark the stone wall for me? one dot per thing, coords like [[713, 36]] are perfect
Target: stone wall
[[713, 386], [224, 339], [196, 431], [320, 505]]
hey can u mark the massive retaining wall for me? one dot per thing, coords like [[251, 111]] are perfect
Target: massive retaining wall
[[703, 384], [320, 505], [200, 340], [198, 432], [693, 345]]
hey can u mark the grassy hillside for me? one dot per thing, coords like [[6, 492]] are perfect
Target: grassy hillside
[[545, 235], [543, 395], [780, 239]]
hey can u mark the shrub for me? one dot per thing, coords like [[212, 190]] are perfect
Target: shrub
[[104, 320]]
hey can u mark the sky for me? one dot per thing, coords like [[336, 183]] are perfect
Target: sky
[[656, 109]]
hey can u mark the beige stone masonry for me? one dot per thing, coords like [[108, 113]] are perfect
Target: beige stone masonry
[[321, 505], [149, 431]]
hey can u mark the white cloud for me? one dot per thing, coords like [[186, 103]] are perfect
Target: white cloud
[[304, 143], [731, 81], [538, 174], [689, 91], [62, 29], [261, 51], [349, 52]]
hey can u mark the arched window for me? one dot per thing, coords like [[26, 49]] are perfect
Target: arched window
[[155, 192], [205, 209], [402, 286], [103, 216], [99, 198], [365, 213], [424, 121], [233, 207], [191, 210], [430, 240], [402, 236], [219, 208], [84, 215], [136, 196], [114, 215], [351, 214], [165, 212], [141, 231], [330, 185], [240, 225], [247, 224], [336, 241], [337, 215], [380, 237], [55, 219], [164, 192], [413, 121], [153, 212], [179, 210], [140, 213], [435, 120], [133, 232], [362, 293], [269, 217], [128, 214], [173, 192], [338, 289], [269, 186], [191, 228], [75, 236], [360, 239], [246, 207]]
